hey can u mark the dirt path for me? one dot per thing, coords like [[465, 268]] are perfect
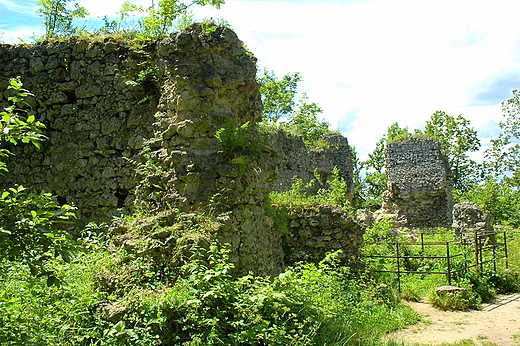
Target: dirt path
[[498, 322]]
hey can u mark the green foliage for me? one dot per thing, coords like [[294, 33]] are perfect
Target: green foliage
[[358, 200], [376, 160], [125, 24], [306, 305], [428, 255], [28, 232], [278, 98], [513, 249], [148, 80], [118, 298], [373, 185], [305, 122], [457, 138], [500, 197], [459, 300], [154, 23], [299, 195], [31, 313], [185, 20], [504, 156], [58, 18], [17, 123], [235, 141], [157, 23], [337, 192], [479, 287], [278, 95]]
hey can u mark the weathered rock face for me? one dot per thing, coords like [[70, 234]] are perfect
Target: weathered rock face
[[419, 188], [313, 232], [209, 84], [469, 217]]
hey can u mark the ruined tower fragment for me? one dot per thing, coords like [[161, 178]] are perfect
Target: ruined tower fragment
[[419, 185]]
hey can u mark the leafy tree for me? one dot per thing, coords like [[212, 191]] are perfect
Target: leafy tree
[[157, 23], [504, 156], [304, 122], [117, 26], [27, 219], [359, 199], [58, 18], [456, 138], [500, 196], [375, 180], [376, 160], [278, 95]]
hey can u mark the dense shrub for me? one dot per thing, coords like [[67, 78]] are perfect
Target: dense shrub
[[310, 304]]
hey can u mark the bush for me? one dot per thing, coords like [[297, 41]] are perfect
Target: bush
[[300, 195], [306, 305], [458, 300], [28, 220], [31, 313]]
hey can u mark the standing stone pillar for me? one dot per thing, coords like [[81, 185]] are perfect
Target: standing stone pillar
[[419, 184]]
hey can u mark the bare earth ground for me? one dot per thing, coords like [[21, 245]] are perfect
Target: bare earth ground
[[498, 322]]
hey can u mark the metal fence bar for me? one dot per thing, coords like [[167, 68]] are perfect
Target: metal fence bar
[[479, 245], [448, 262], [398, 266]]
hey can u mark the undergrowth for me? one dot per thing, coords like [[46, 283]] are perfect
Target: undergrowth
[[333, 192], [202, 303], [424, 255]]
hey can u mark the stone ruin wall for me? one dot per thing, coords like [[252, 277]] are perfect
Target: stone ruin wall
[[294, 160], [419, 184], [110, 108], [313, 232], [93, 117]]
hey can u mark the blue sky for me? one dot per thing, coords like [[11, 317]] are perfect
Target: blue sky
[[368, 64]]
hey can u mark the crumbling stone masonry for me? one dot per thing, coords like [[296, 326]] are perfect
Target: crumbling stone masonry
[[130, 127], [469, 217], [419, 187], [315, 231], [294, 160]]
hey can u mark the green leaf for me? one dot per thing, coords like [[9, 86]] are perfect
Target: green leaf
[[15, 84], [120, 326], [30, 119], [4, 195], [52, 281]]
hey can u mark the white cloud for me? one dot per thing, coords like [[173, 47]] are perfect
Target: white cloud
[[20, 34], [26, 7], [386, 61]]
